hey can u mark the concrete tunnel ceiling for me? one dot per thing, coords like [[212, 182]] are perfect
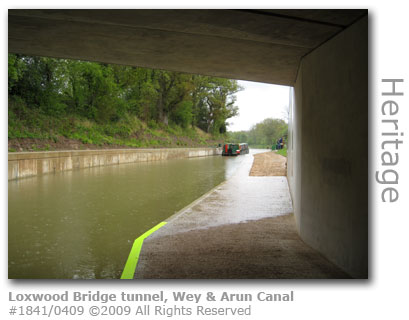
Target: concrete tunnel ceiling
[[255, 45]]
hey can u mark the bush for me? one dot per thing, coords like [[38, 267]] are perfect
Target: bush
[[152, 124]]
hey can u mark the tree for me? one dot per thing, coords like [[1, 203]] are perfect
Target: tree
[[103, 92], [38, 81], [264, 133], [218, 104]]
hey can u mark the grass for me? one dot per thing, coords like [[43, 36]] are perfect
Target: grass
[[130, 131], [282, 152]]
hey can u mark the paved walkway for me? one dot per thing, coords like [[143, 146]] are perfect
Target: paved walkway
[[244, 228]]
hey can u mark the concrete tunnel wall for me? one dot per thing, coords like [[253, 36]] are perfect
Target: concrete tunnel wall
[[328, 149]]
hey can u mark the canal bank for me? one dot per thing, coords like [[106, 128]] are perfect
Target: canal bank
[[29, 164], [243, 228]]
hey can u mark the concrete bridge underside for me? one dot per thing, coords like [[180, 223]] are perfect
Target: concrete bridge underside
[[323, 54]]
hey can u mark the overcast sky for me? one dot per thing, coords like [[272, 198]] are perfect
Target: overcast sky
[[257, 102]]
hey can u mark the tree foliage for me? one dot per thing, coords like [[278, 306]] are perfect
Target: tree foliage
[[108, 93], [264, 133]]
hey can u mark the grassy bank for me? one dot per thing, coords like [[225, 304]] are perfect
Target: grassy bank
[[34, 131], [282, 152]]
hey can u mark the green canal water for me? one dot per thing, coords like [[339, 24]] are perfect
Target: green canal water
[[81, 224]]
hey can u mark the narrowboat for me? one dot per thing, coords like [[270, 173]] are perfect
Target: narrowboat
[[231, 149], [235, 149]]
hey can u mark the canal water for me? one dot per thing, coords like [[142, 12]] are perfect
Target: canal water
[[82, 224]]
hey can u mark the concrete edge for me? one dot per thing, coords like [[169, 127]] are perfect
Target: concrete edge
[[68, 153], [192, 204], [29, 164]]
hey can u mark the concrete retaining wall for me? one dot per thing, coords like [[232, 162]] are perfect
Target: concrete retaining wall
[[28, 164], [328, 151]]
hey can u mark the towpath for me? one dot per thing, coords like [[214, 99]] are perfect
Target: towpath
[[244, 228]]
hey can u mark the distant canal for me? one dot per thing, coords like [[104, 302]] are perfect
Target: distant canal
[[81, 224]]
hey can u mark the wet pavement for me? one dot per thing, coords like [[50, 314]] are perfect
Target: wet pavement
[[240, 198], [243, 228]]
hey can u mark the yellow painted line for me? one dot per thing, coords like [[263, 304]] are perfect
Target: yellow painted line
[[130, 266]]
